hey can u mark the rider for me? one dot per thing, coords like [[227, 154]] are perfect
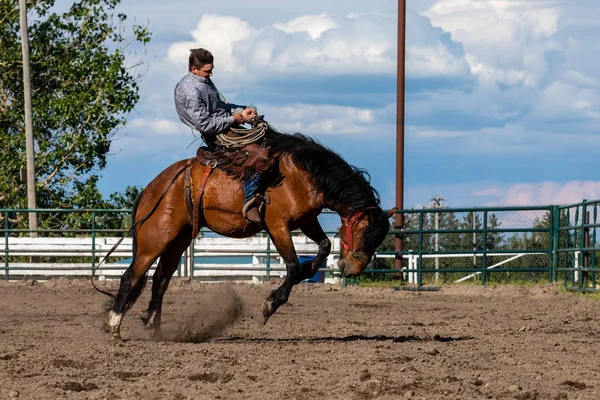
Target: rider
[[200, 106]]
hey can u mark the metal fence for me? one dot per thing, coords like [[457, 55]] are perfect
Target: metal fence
[[484, 245], [440, 245], [575, 240]]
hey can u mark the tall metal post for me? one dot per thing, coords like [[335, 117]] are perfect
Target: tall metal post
[[437, 203], [399, 219], [31, 201]]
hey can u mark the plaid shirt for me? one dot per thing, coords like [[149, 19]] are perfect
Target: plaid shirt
[[200, 105]]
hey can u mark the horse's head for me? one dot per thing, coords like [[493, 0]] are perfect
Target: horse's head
[[360, 234]]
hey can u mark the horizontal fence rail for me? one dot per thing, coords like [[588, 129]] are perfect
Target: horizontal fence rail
[[482, 245]]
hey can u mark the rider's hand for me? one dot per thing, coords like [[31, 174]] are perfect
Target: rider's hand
[[239, 119], [248, 113]]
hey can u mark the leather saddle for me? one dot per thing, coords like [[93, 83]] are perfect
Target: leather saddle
[[239, 163], [252, 158]]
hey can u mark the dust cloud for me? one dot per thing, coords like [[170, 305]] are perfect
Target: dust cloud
[[214, 313]]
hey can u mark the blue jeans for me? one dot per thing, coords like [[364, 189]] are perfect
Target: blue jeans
[[251, 186]]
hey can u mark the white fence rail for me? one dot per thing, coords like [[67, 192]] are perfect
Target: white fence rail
[[195, 262]]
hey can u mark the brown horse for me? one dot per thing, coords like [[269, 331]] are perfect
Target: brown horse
[[312, 177]]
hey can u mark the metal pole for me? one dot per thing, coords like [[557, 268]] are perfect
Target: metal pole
[[474, 247], [6, 250], [484, 246], [586, 241], [437, 203], [399, 220], [93, 241], [555, 218], [31, 201]]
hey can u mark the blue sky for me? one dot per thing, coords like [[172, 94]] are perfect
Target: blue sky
[[502, 104]]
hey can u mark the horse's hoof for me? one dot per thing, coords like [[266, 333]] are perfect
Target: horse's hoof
[[115, 338], [267, 310], [146, 319]]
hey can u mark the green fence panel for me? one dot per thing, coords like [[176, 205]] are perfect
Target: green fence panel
[[482, 244]]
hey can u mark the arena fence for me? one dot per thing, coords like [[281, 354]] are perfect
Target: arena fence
[[440, 245], [575, 240]]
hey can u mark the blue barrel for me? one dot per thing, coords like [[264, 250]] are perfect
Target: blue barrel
[[320, 275]]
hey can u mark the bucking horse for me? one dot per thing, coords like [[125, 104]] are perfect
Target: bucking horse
[[191, 194]]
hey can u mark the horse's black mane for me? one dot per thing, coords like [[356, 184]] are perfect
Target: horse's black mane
[[345, 188]]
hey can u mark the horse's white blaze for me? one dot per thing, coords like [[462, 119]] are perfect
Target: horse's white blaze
[[114, 320]]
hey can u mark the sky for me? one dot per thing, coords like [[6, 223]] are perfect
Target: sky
[[502, 97]]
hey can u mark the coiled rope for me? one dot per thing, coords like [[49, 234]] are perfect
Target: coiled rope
[[245, 136]]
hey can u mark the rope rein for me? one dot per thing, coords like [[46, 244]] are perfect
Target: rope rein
[[245, 136]]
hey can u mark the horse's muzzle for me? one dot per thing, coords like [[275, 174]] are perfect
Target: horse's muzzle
[[342, 267]]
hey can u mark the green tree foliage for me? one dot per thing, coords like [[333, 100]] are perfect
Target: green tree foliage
[[82, 90]]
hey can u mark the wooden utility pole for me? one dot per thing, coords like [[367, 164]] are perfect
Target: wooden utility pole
[[31, 200], [399, 220]]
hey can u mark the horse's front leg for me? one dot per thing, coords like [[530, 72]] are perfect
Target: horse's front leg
[[282, 240], [314, 232]]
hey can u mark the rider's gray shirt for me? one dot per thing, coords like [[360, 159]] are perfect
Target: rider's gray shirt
[[199, 106]]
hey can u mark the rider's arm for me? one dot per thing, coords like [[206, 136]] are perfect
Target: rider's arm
[[206, 123]]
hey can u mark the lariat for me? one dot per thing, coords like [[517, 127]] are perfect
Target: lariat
[[243, 136]]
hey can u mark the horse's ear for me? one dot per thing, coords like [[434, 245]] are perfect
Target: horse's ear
[[391, 212]]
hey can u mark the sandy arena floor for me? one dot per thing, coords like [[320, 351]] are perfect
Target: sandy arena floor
[[462, 342]]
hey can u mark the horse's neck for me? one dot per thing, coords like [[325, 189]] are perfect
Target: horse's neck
[[300, 184]]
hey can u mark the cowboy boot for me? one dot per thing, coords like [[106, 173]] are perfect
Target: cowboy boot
[[251, 211]]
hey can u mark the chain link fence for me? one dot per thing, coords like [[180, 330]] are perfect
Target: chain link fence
[[490, 246]]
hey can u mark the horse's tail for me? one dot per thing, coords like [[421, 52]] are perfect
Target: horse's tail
[[133, 231]]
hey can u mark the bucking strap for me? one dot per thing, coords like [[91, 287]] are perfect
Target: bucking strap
[[187, 190]]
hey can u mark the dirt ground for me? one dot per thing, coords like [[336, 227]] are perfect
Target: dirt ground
[[461, 342]]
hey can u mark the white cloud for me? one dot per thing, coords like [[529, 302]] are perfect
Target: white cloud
[[550, 193], [220, 34], [157, 138], [496, 194], [325, 119], [161, 127], [320, 45], [577, 78], [313, 25], [488, 192], [562, 101], [506, 42], [433, 61], [514, 139]]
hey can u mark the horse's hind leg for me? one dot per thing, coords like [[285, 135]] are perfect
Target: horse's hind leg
[[132, 284], [149, 244], [169, 261]]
